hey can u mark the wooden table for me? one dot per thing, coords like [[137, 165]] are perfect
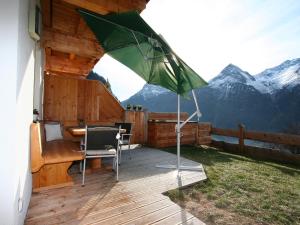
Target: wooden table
[[80, 131], [95, 164]]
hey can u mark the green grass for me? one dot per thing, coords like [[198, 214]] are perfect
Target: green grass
[[265, 192]]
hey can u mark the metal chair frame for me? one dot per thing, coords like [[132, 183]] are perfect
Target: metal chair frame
[[129, 134], [106, 140]]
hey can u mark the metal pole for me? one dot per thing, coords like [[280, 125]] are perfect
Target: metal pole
[[178, 132], [178, 128]]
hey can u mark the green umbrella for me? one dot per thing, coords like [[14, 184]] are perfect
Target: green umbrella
[[129, 39]]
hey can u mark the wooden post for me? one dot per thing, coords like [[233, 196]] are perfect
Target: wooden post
[[241, 137], [145, 126]]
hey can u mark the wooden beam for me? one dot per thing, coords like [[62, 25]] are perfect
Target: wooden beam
[[62, 64], [71, 44], [48, 51], [106, 6], [46, 7], [94, 7], [278, 138], [225, 132], [72, 56], [83, 30]]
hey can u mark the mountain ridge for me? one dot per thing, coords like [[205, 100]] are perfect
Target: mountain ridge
[[267, 101]]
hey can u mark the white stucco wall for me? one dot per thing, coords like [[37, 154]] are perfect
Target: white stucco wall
[[17, 57]]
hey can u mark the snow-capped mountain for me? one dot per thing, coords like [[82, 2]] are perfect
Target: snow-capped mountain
[[232, 74], [286, 74], [268, 101], [150, 90], [270, 80]]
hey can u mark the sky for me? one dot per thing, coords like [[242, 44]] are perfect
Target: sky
[[210, 34]]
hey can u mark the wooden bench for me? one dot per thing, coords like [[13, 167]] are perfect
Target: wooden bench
[[50, 161]]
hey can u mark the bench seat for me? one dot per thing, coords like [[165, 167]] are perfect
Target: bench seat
[[60, 151], [51, 160]]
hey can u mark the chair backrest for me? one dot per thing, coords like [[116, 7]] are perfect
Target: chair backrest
[[126, 126], [97, 138]]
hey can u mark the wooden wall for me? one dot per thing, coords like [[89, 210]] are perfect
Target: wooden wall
[[162, 134], [167, 116], [139, 129], [68, 99]]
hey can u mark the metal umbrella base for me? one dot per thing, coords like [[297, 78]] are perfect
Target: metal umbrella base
[[181, 167]]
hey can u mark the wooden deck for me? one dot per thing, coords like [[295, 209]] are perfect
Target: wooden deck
[[136, 199]]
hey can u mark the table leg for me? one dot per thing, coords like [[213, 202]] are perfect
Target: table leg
[[95, 163]]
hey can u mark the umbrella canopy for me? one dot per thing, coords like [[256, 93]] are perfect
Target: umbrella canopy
[[130, 40]]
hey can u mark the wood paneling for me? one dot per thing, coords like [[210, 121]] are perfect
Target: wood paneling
[[61, 62], [60, 98], [50, 161], [204, 134], [51, 176], [162, 134], [79, 46], [36, 147], [107, 6], [139, 129], [67, 100], [166, 116], [46, 6], [66, 32]]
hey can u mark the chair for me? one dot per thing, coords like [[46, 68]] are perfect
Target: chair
[[101, 142], [125, 137]]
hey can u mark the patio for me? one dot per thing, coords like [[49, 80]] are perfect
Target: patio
[[136, 199]]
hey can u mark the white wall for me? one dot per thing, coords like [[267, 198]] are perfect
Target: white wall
[[8, 59], [17, 57], [38, 81]]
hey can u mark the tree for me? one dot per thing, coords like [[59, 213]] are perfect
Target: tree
[[95, 76], [108, 86]]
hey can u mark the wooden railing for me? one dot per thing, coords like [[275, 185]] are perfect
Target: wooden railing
[[241, 133], [258, 152]]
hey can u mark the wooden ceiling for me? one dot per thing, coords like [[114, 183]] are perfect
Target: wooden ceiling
[[70, 46]]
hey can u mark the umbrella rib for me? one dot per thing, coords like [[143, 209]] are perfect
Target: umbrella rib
[[131, 30], [118, 25], [140, 49]]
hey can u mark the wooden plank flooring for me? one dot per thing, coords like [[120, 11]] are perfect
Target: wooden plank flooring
[[136, 199]]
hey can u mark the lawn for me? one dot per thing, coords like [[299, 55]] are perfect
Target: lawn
[[240, 190]]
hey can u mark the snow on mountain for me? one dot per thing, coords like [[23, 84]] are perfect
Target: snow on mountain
[[232, 78], [150, 90], [232, 74], [286, 74], [269, 81], [268, 101]]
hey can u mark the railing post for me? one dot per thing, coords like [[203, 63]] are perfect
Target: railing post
[[241, 137]]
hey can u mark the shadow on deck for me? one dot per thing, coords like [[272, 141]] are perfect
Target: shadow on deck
[[136, 199]]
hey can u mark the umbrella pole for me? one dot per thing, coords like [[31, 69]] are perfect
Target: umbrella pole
[[178, 166], [178, 132]]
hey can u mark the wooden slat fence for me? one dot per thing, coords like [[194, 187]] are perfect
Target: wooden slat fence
[[258, 152], [242, 133]]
